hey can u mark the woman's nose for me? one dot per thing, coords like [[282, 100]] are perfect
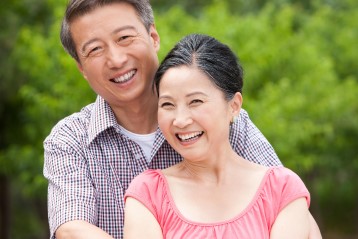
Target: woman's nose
[[182, 118]]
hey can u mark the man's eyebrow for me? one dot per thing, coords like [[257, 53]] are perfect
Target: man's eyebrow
[[126, 27], [119, 29]]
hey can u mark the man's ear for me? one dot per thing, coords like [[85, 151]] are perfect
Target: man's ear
[[236, 103], [154, 35], [79, 66]]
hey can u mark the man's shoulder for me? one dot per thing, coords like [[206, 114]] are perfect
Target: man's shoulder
[[76, 123]]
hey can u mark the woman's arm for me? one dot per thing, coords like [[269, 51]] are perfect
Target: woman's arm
[[315, 233], [139, 222], [292, 222]]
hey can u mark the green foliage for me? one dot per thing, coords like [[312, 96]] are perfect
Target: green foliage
[[45, 86], [301, 75], [50, 92]]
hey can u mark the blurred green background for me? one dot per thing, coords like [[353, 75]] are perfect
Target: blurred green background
[[301, 87]]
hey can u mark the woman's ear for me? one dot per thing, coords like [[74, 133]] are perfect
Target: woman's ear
[[236, 103]]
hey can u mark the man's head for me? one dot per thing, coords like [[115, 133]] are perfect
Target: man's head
[[115, 47], [78, 8]]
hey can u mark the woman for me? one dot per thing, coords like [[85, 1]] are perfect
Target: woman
[[213, 192]]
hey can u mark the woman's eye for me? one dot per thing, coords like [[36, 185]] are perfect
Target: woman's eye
[[166, 104]]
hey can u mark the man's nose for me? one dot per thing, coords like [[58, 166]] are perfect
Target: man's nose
[[116, 56]]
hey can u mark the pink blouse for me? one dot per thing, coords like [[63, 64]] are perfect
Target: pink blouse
[[279, 187]]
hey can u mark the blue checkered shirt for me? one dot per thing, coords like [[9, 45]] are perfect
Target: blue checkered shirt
[[89, 164]]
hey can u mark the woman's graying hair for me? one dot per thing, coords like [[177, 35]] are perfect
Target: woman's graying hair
[[78, 8], [210, 56]]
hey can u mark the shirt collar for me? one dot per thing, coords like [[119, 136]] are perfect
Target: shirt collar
[[102, 118]]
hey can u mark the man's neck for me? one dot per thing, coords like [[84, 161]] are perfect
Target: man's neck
[[138, 117]]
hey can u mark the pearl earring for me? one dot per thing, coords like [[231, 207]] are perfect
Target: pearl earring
[[234, 119]]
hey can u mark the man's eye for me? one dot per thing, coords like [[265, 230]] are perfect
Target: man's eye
[[123, 40], [196, 101], [97, 48], [93, 51]]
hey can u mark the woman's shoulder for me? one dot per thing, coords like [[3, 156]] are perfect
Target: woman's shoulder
[[283, 174], [285, 184], [148, 184], [148, 177]]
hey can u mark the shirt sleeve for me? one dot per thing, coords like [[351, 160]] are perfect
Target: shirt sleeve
[[70, 189], [248, 141], [293, 189], [147, 188], [288, 187]]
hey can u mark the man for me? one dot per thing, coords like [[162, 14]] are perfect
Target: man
[[91, 156]]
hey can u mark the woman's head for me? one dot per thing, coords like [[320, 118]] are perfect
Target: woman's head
[[199, 87], [212, 57]]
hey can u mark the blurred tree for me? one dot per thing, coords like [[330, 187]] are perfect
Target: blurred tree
[[13, 15], [32, 65]]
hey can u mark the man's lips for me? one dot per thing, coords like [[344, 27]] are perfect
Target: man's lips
[[124, 78]]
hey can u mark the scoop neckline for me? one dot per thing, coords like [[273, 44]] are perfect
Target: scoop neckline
[[238, 215]]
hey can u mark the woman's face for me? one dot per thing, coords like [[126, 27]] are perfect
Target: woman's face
[[193, 113]]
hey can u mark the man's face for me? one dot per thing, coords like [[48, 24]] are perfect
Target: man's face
[[117, 55]]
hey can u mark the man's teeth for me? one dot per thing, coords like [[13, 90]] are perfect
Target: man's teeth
[[185, 137], [124, 77]]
